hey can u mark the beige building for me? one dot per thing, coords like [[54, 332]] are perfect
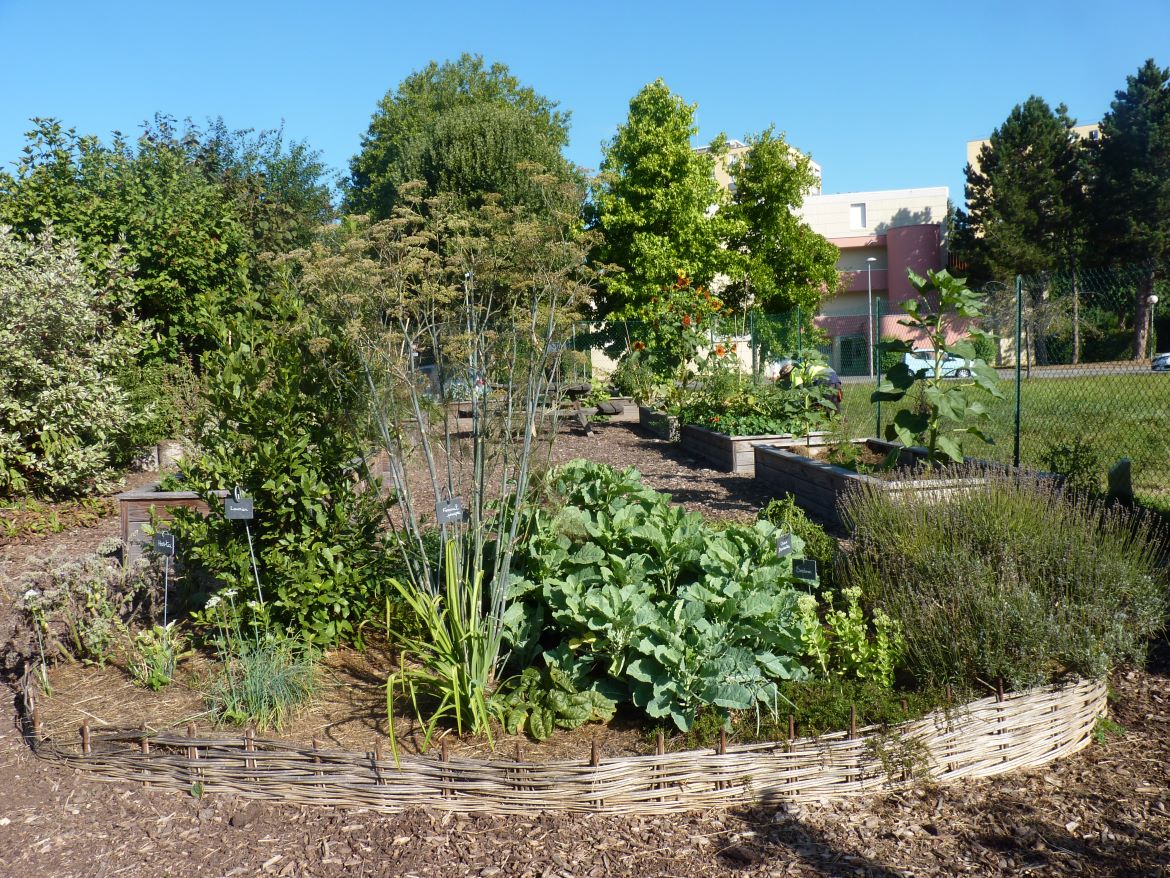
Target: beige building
[[736, 150], [1085, 132]]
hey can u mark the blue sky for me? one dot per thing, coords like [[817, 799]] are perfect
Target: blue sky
[[882, 95]]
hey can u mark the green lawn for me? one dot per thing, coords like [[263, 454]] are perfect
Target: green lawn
[[1124, 415]]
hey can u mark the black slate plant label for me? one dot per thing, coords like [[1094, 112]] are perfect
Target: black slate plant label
[[784, 545], [237, 510], [805, 568], [448, 511], [164, 543]]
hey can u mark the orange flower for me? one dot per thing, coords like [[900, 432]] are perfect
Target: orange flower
[[720, 350], [639, 346], [682, 282], [686, 320]]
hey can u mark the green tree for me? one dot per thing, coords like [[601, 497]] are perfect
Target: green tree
[[1026, 211], [780, 262], [461, 127], [193, 211], [652, 204], [1132, 184]]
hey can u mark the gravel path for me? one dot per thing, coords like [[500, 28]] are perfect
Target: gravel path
[[1105, 811]]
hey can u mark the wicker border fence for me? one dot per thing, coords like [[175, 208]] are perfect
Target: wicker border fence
[[978, 739]]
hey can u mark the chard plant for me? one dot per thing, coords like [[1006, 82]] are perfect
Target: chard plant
[[950, 407]]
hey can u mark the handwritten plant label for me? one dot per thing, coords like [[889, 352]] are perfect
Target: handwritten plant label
[[449, 511], [237, 509], [784, 545], [164, 543], [805, 568]]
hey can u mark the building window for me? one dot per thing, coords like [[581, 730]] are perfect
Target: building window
[[857, 216]]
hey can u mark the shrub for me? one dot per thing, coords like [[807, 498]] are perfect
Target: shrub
[[280, 424], [986, 348], [64, 342], [1078, 461], [1011, 578], [167, 401]]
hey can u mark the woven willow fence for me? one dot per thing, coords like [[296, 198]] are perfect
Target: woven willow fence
[[978, 739]]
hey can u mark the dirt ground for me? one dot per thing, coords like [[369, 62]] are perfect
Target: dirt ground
[[1103, 812]]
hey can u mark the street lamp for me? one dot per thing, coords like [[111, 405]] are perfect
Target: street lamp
[[869, 301]]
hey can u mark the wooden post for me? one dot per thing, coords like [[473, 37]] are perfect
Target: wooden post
[[145, 746], [249, 746], [38, 725], [999, 688], [594, 755], [85, 741], [378, 762], [905, 707], [722, 751], [659, 750], [950, 694], [192, 752], [791, 727], [852, 720], [443, 757]]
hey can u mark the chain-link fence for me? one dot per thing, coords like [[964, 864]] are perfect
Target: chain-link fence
[[1082, 383]]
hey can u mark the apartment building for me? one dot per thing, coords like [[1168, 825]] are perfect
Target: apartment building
[[880, 235]]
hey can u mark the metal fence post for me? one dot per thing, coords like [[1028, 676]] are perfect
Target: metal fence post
[[1019, 363], [877, 370]]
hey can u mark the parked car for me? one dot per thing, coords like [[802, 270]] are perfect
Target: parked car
[[922, 360], [1161, 363]]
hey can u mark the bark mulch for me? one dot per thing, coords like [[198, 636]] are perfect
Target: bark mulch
[[1104, 811]]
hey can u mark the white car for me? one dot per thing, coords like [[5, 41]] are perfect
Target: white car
[[1161, 363], [923, 360]]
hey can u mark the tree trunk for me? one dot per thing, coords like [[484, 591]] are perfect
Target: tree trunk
[[1141, 315], [1076, 317]]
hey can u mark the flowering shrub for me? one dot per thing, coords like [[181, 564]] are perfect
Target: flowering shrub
[[64, 343]]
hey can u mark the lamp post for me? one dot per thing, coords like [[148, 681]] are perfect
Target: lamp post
[[869, 301]]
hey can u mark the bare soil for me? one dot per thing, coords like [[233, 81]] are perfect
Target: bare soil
[[1104, 811]]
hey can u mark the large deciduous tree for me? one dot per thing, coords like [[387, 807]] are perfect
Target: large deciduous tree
[[781, 263], [1132, 184], [652, 205], [463, 128]]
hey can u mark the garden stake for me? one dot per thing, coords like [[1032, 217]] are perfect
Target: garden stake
[[999, 688], [659, 750], [85, 738], [722, 751], [791, 727], [950, 694], [594, 756], [852, 720], [377, 762], [905, 706], [38, 727]]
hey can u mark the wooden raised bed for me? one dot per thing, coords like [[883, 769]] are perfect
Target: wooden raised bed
[[735, 454], [818, 485], [134, 513], [658, 424]]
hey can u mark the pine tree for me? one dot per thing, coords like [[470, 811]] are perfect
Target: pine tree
[[1132, 185]]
